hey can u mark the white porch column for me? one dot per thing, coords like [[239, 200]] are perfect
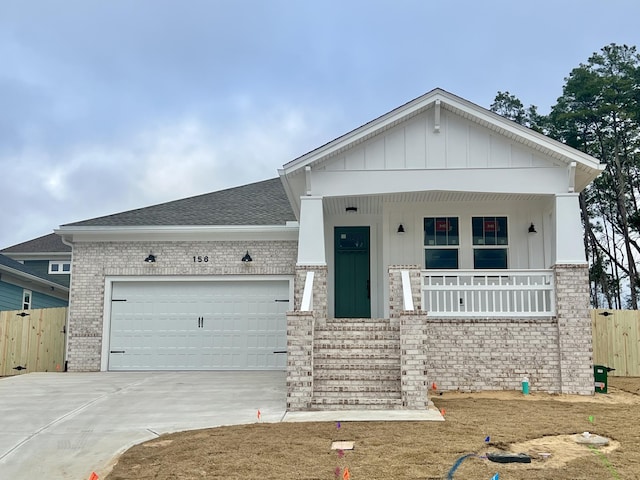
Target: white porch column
[[311, 233], [568, 240]]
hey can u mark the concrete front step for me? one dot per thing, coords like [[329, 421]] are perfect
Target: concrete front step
[[353, 328], [351, 357], [360, 374], [360, 336], [356, 322], [350, 348], [363, 403], [355, 390]]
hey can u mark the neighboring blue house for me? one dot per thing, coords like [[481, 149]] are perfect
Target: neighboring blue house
[[29, 283], [46, 256]]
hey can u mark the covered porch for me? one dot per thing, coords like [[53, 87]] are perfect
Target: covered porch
[[462, 328], [480, 254]]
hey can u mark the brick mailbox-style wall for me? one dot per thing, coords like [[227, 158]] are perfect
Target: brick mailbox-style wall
[[94, 262]]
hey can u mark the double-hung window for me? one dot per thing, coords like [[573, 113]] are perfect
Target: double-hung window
[[441, 242], [26, 299], [490, 242], [59, 267]]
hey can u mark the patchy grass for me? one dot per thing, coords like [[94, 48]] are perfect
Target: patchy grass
[[413, 450]]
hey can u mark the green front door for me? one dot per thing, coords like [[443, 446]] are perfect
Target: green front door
[[353, 287]]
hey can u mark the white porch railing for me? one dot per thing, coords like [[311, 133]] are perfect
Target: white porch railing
[[488, 293]]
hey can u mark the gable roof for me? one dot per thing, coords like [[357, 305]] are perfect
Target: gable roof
[[588, 166], [19, 270], [260, 203], [50, 243]]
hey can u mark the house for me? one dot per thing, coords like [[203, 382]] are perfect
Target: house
[[439, 243], [47, 256], [24, 288]]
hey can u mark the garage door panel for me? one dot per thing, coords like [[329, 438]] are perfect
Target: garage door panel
[[158, 325]]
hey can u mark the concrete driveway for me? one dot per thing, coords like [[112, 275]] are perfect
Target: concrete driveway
[[67, 425]]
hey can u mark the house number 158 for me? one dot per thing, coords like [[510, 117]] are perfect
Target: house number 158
[[200, 259]]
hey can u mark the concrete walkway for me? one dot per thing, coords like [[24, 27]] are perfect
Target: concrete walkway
[[67, 425]]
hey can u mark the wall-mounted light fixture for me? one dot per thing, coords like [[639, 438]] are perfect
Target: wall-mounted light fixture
[[151, 258], [247, 257], [351, 209], [400, 229], [532, 228]]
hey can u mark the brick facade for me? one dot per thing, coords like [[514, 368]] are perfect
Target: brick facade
[[396, 306], [457, 353], [93, 262], [574, 329], [300, 332], [492, 354], [300, 337], [413, 384]]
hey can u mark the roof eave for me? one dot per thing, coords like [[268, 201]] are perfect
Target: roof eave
[[33, 278], [161, 232]]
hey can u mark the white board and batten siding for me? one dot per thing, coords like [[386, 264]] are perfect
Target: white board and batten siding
[[198, 325], [460, 143]]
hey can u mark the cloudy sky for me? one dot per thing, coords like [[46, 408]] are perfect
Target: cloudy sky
[[109, 105]]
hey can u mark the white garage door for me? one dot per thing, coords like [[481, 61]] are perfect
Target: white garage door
[[218, 325]]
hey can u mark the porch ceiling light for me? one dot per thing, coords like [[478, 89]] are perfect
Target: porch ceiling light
[[351, 209], [151, 258], [532, 228], [247, 257], [400, 229]]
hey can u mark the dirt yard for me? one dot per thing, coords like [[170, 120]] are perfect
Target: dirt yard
[[541, 425]]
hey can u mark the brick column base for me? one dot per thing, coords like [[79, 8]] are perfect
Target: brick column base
[[413, 361], [574, 329], [300, 327]]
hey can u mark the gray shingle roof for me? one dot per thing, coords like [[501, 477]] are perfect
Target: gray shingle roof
[[51, 243], [19, 267], [260, 203]]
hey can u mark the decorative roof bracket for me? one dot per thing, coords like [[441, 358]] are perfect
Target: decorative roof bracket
[[307, 179], [571, 169], [436, 119]]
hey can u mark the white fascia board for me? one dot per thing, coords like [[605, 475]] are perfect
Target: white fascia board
[[175, 232], [32, 278], [294, 200], [20, 256]]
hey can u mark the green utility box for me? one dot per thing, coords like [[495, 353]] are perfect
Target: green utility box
[[600, 376]]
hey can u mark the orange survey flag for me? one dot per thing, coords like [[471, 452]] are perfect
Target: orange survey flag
[[259, 415], [346, 475], [94, 476]]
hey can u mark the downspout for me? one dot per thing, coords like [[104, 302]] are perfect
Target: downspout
[[66, 325]]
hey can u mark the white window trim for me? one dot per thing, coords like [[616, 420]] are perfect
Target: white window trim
[[503, 246], [60, 265], [27, 305], [440, 247]]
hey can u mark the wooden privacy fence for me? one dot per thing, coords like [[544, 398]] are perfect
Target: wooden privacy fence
[[616, 341], [32, 340]]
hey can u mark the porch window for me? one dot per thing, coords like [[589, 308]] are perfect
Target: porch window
[[441, 242], [488, 233]]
